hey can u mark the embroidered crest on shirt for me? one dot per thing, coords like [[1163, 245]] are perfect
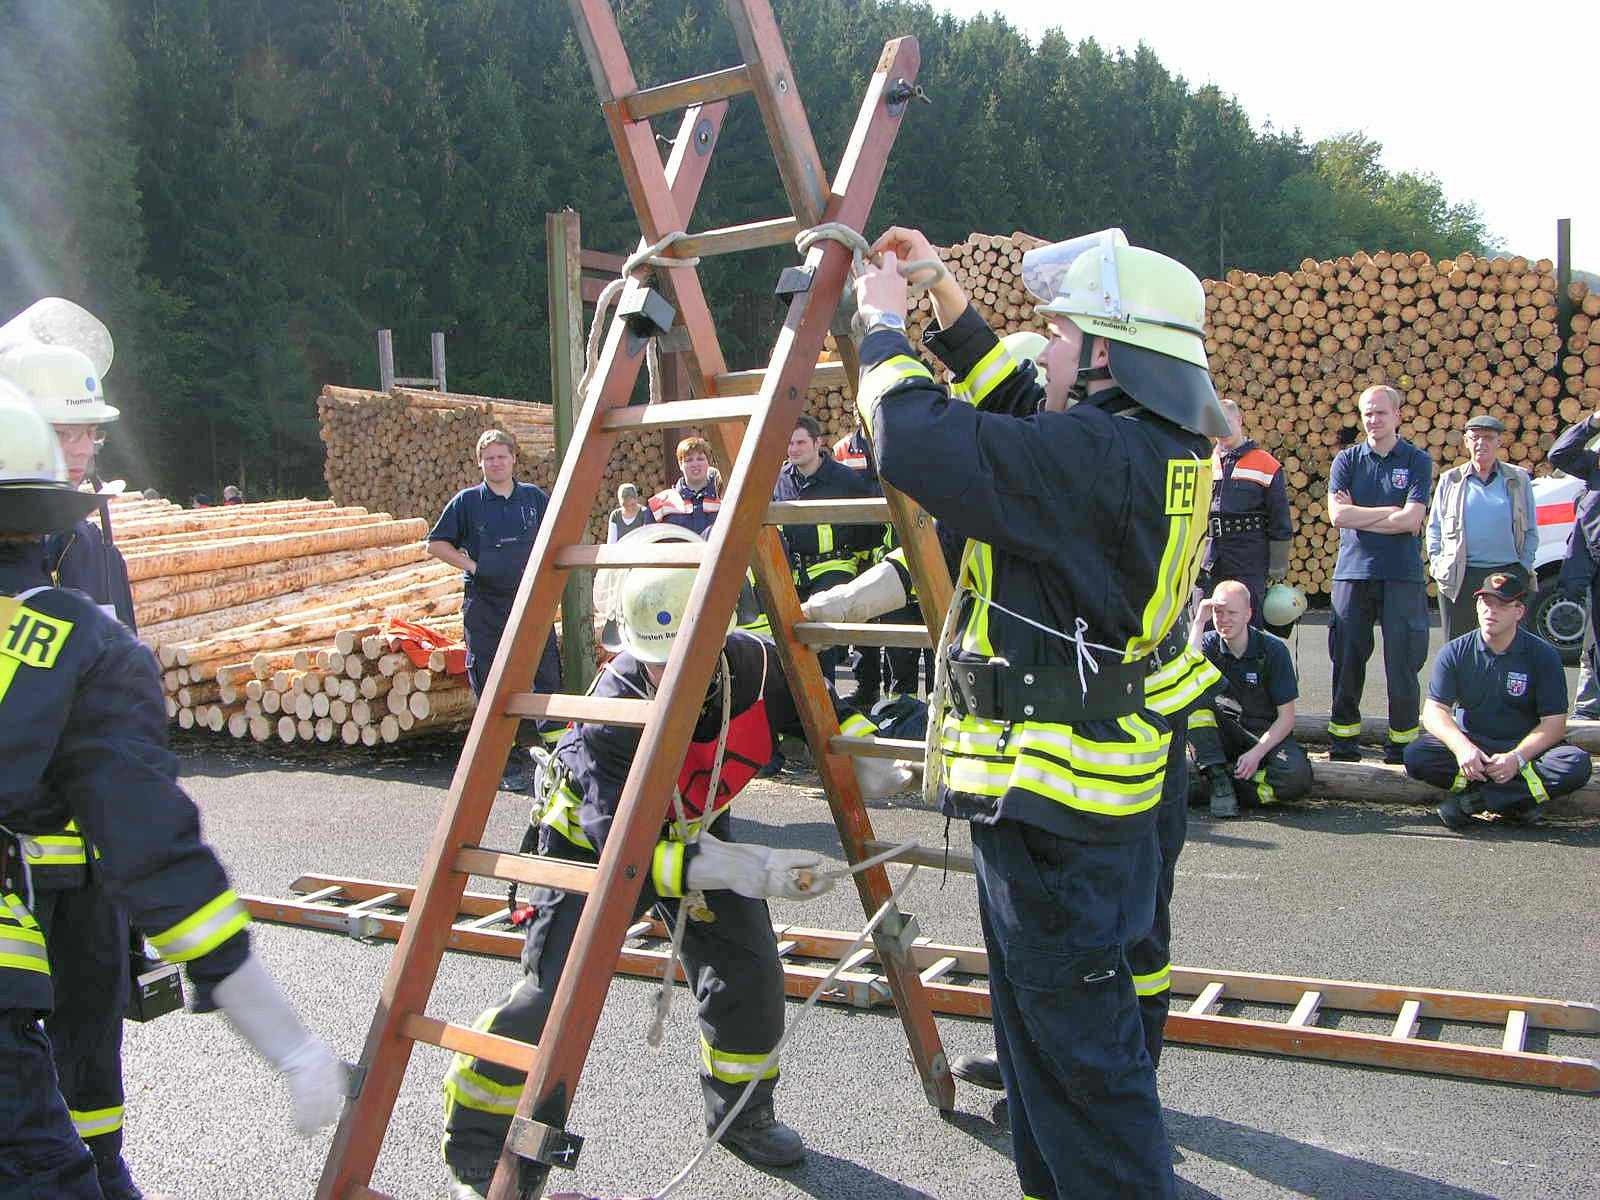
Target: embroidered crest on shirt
[[1400, 476], [1516, 683], [1252, 678]]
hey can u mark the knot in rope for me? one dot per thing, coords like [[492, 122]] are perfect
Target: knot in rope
[[919, 274]]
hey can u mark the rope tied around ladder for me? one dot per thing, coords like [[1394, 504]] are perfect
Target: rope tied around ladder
[[920, 274]]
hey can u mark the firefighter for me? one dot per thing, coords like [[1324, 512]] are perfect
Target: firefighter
[[695, 500], [866, 662], [489, 531], [86, 933], [1377, 498], [1084, 527], [83, 736], [729, 950], [825, 555], [1244, 740], [1251, 531]]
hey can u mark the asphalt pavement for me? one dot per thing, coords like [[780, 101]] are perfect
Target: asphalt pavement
[[1325, 889]]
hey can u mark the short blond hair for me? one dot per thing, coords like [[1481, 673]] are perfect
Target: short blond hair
[[693, 445], [495, 437], [1385, 391]]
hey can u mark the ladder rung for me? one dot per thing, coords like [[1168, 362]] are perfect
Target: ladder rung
[[1516, 1031], [870, 510], [673, 414], [1405, 1025], [940, 969], [479, 924], [748, 383], [636, 554], [508, 1052], [857, 960], [702, 89], [639, 929], [1305, 1012], [757, 235], [787, 948], [531, 869], [377, 901], [596, 710], [838, 633], [899, 749], [1206, 1000], [321, 894]]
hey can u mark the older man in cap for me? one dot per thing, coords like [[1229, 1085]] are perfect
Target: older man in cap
[[1496, 717], [1482, 522]]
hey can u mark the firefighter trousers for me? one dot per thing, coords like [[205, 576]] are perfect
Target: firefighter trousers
[[483, 620], [87, 937], [1150, 958], [41, 1153], [1219, 739], [1401, 609], [1058, 919], [732, 966], [1559, 770]]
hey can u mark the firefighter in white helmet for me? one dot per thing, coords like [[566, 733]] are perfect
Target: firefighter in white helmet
[[83, 737], [729, 950]]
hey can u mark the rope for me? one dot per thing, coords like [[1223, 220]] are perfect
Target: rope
[[649, 256], [919, 274]]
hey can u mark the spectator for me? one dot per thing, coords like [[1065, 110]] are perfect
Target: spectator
[[854, 451], [1481, 522], [694, 501], [1377, 498], [201, 500], [1251, 531], [150, 494], [1579, 576], [1243, 738], [232, 495], [1496, 717], [628, 516]]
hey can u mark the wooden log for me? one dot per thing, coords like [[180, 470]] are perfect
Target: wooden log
[[245, 551]]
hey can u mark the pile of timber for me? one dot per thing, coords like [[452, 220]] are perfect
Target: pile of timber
[[272, 620], [1580, 366]]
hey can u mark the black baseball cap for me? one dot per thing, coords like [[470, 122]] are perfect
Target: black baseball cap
[[1509, 586], [1485, 421]]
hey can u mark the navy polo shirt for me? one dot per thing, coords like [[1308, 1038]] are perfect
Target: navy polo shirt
[[1499, 698], [496, 532], [1374, 481], [1260, 679]]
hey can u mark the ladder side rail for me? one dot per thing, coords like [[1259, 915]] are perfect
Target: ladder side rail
[[415, 964], [575, 1007]]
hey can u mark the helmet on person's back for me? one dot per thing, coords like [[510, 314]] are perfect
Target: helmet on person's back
[[1026, 346], [35, 497], [1151, 311], [60, 380]]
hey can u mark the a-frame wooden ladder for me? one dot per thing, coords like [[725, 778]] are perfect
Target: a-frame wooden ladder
[[764, 403]]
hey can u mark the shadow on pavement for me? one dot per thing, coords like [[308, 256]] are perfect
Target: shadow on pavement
[[829, 1177], [1324, 816], [1303, 1169]]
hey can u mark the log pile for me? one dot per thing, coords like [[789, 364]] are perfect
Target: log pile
[[273, 621], [1580, 365]]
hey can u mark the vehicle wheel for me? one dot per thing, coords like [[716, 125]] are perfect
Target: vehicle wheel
[[1559, 621]]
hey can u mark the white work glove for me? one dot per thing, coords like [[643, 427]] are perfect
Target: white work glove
[[880, 777], [257, 1008], [758, 872], [870, 594]]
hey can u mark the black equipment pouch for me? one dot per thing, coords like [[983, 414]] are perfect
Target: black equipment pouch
[[1000, 691], [154, 987]]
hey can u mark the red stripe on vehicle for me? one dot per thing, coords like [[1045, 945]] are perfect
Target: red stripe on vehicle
[[1558, 514]]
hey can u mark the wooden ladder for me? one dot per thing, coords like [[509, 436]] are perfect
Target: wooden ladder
[[766, 403]]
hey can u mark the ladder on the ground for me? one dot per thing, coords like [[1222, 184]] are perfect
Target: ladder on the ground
[[766, 403], [1278, 1015]]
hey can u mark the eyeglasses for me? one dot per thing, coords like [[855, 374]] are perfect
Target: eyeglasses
[[80, 435]]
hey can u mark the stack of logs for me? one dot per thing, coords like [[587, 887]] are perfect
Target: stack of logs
[[270, 620]]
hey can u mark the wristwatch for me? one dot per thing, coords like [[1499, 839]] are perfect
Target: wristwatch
[[888, 320]]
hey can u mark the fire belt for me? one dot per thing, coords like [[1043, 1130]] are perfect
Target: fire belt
[[1003, 692], [1223, 525]]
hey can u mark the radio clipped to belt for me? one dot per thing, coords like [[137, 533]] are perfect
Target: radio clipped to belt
[[154, 987]]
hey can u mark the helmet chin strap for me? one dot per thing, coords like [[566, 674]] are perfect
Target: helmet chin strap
[[1086, 373]]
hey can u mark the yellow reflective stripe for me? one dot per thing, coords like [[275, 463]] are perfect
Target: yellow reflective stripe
[[561, 814], [97, 1122], [33, 638], [666, 869], [1344, 731], [1400, 737], [1180, 683], [830, 566], [1264, 792], [8, 672], [857, 725], [56, 850], [21, 940], [467, 1087], [1202, 718], [991, 370], [1154, 983], [1458, 784], [979, 570], [883, 377], [1535, 784], [551, 736], [1188, 503], [824, 539], [729, 1066], [993, 779], [1104, 758], [202, 931]]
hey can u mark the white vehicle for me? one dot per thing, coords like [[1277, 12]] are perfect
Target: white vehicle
[[1560, 621]]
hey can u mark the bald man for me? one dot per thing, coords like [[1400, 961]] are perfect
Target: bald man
[[1243, 738]]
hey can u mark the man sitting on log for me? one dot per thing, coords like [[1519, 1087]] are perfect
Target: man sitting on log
[[1243, 740], [694, 501], [1496, 717]]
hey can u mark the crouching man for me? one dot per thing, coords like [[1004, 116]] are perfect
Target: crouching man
[[1243, 740], [1495, 717]]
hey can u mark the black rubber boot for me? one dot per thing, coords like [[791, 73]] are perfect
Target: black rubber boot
[[1344, 750], [980, 1069], [1224, 800], [761, 1138], [467, 1184]]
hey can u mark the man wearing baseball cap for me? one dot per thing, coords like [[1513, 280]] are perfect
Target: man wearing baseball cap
[[1496, 717], [1481, 521]]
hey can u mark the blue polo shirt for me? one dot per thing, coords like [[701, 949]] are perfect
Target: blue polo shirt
[[1260, 679], [1375, 481], [496, 532], [1499, 698]]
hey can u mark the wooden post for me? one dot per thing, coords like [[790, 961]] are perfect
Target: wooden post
[[563, 237], [1564, 279], [436, 344], [385, 360]]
